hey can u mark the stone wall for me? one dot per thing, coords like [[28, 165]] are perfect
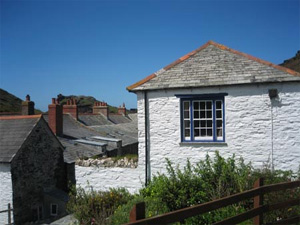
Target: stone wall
[[38, 165], [248, 126], [5, 191]]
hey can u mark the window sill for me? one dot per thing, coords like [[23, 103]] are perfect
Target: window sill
[[203, 144]]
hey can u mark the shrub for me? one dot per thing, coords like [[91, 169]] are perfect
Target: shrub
[[95, 207], [209, 179]]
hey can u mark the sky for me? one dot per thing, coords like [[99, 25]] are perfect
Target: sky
[[98, 48]]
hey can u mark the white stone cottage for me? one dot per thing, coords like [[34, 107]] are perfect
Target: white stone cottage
[[32, 170], [219, 99]]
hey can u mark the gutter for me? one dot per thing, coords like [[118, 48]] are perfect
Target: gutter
[[147, 143]]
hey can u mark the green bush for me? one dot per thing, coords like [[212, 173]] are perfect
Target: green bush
[[95, 207], [209, 179]]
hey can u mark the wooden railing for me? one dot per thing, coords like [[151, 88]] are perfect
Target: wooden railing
[[137, 214], [8, 211]]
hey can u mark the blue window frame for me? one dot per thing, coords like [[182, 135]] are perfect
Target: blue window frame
[[202, 118]]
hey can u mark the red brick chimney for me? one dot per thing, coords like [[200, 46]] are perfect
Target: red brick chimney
[[27, 106], [101, 108], [122, 110], [55, 115], [71, 108]]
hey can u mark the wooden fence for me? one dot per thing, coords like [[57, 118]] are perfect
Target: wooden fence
[[8, 211], [137, 214]]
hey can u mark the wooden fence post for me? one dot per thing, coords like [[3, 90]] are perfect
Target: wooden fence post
[[137, 212], [9, 215], [258, 201]]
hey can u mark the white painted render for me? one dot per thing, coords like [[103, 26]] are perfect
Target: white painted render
[[100, 178], [5, 191], [248, 126], [248, 130]]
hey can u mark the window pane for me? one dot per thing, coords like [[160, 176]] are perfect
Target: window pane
[[209, 114], [219, 132], [187, 133], [209, 123], [203, 123], [218, 104], [196, 132], [196, 123], [196, 105], [202, 105], [219, 123], [219, 114], [208, 105], [202, 114], [186, 114], [186, 124], [196, 114], [209, 132], [203, 132], [186, 105]]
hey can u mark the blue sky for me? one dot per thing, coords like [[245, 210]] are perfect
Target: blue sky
[[98, 48]]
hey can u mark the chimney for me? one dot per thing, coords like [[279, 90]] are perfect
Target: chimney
[[55, 115], [101, 108], [27, 106], [122, 110], [71, 108]]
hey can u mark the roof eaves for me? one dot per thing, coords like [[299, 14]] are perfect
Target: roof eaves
[[131, 87], [19, 117]]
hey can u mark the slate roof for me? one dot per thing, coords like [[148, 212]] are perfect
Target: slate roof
[[117, 119], [73, 130], [75, 150], [91, 119], [14, 130], [214, 64], [127, 132], [97, 120]]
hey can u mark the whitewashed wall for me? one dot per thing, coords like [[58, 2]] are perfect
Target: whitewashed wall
[[248, 133], [100, 178], [248, 126], [5, 191]]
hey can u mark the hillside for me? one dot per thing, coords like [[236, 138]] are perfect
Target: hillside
[[84, 103], [292, 63], [11, 103]]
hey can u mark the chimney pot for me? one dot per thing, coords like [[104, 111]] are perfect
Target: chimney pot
[[55, 115], [27, 106]]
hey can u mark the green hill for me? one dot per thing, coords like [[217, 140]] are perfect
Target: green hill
[[84, 103], [292, 63], [11, 103]]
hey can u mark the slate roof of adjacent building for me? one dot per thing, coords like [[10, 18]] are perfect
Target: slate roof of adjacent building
[[92, 119], [214, 64], [99, 119], [14, 130], [74, 130]]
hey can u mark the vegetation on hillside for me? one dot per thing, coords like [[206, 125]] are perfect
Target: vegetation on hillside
[[293, 63], [208, 180], [84, 103], [11, 103]]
